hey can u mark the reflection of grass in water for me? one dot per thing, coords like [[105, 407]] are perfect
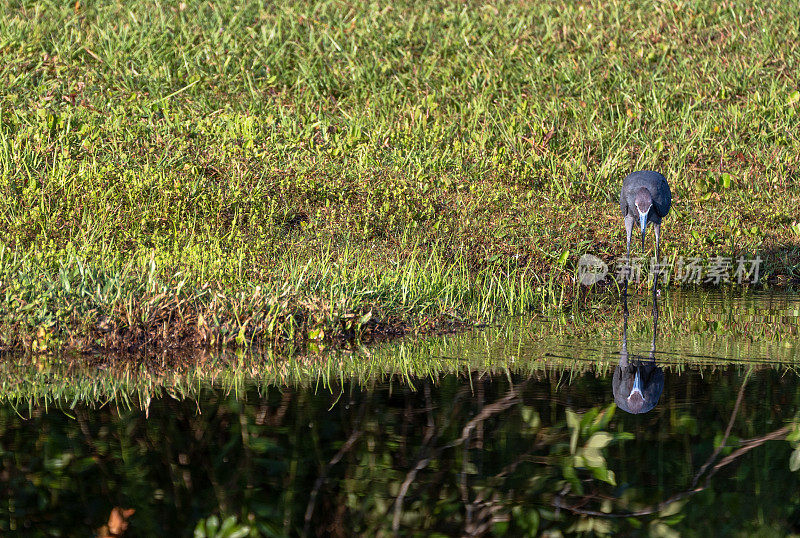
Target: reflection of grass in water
[[518, 444], [703, 328], [727, 313], [562, 346]]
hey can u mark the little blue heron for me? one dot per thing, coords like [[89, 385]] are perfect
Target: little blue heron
[[645, 196], [637, 384]]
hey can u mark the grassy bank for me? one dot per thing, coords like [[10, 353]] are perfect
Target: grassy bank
[[324, 299], [371, 168]]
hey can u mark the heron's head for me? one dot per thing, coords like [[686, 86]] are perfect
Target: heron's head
[[644, 203], [636, 399], [637, 385]]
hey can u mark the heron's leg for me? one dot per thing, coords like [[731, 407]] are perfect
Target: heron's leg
[[628, 228], [625, 309], [628, 231], [625, 293], [655, 318], [655, 326], [657, 229], [655, 299]]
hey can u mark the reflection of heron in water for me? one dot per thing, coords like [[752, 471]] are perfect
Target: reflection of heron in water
[[637, 384]]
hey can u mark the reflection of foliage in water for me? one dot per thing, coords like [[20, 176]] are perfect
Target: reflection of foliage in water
[[451, 457]]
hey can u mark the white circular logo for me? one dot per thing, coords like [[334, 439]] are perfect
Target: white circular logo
[[591, 269]]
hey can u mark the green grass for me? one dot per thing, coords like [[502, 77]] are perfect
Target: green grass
[[431, 164], [328, 298]]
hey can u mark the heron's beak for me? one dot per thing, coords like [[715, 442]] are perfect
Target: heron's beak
[[637, 385], [643, 224]]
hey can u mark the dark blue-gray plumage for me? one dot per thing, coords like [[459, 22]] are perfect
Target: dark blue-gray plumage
[[637, 384], [645, 197]]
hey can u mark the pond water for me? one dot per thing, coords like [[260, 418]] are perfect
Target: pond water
[[515, 432]]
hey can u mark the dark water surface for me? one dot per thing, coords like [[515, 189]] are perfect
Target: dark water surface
[[539, 449]]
